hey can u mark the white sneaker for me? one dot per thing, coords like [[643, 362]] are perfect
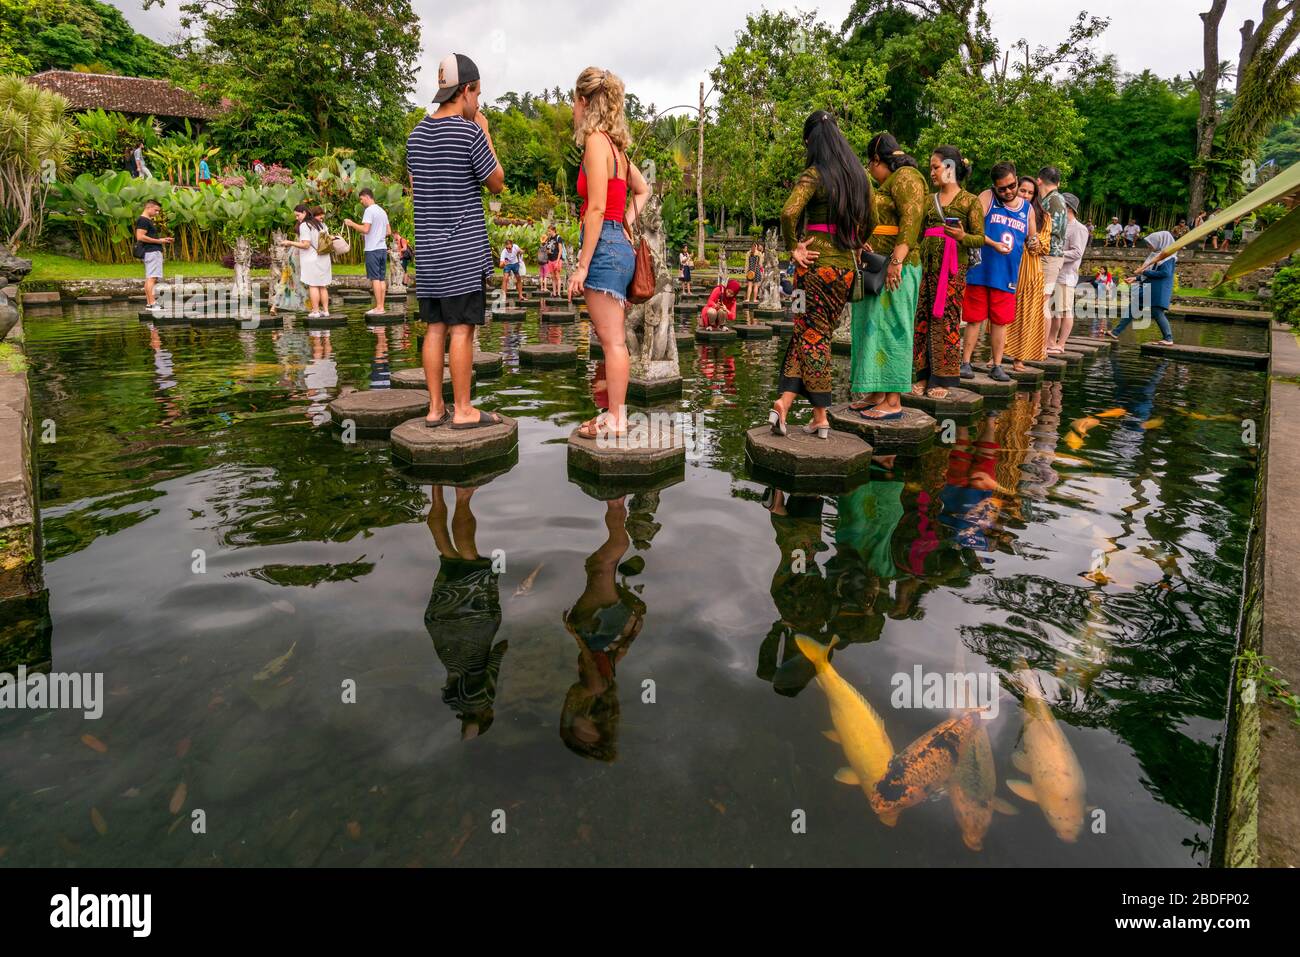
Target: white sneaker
[[156, 307], [374, 312]]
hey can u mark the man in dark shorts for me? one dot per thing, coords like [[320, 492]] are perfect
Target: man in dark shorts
[[450, 157]]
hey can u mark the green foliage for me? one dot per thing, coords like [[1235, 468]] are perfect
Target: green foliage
[[781, 70], [1140, 139], [1282, 145], [38, 35], [101, 140], [35, 139], [304, 76], [1286, 295], [1022, 118]]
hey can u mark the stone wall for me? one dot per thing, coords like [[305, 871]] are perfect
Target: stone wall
[[1196, 267]]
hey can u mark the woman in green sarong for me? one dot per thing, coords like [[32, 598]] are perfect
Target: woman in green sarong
[[883, 324]]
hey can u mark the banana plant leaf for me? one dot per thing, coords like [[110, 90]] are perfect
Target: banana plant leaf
[[1277, 242]]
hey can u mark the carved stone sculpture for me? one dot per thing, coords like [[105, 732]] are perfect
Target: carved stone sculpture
[[769, 290], [651, 342]]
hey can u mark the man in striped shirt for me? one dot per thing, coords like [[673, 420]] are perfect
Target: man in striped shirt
[[450, 157]]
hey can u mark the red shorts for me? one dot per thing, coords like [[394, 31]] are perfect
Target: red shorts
[[981, 302]]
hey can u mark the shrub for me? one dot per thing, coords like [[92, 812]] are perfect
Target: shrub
[[1286, 295]]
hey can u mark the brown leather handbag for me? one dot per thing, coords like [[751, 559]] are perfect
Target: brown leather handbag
[[642, 286]]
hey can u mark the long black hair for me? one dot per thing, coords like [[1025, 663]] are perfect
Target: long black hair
[[1040, 214], [848, 194], [308, 218], [960, 165], [883, 148]]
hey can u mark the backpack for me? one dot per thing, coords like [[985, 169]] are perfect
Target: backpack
[[324, 245]]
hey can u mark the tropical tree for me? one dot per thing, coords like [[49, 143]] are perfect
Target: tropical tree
[[35, 139]]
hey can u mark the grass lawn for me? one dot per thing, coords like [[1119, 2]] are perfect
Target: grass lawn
[[48, 267], [1199, 292]]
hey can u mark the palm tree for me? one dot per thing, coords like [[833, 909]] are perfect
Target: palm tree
[[35, 140]]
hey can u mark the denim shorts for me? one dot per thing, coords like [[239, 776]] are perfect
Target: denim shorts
[[612, 264]]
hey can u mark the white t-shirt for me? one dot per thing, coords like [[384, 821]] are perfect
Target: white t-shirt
[[1132, 230], [377, 238], [1114, 229], [510, 255]]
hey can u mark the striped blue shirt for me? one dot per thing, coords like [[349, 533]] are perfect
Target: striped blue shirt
[[448, 160]]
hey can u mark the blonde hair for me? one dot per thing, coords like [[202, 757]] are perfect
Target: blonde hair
[[603, 92]]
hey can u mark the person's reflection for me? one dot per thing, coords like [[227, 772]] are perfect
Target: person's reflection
[[164, 376], [799, 591], [380, 374], [864, 565], [600, 388], [321, 375], [718, 371], [604, 621], [970, 507], [464, 614]]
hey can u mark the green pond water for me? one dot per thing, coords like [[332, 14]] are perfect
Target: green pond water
[[624, 686]]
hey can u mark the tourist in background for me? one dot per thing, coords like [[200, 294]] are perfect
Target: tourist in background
[[824, 223], [205, 173], [137, 155], [954, 225], [1157, 282], [721, 305], [512, 264], [149, 250], [450, 158], [374, 227], [883, 325], [551, 267], [1027, 337], [1180, 230], [1076, 244], [1131, 233], [1053, 206], [1009, 221], [753, 271], [613, 192], [687, 262], [1114, 231], [315, 268]]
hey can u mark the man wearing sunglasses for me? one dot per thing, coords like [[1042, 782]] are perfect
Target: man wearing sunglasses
[[991, 283]]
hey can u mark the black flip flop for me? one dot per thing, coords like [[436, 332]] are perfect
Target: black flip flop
[[434, 423], [484, 418]]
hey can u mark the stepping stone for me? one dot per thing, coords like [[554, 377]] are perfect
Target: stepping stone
[[1030, 376], [560, 302], [388, 317], [684, 336], [414, 379], [653, 444], [263, 321], [94, 299], [959, 403], [764, 312], [558, 315], [648, 391], [1072, 360], [378, 411], [1052, 367], [806, 458], [1101, 345], [485, 363], [594, 348], [910, 435], [1226, 357], [725, 334], [687, 309], [164, 318], [445, 449], [985, 384], [509, 313], [1086, 349], [1221, 314], [841, 348], [781, 327], [40, 298], [757, 330], [331, 321], [548, 354]]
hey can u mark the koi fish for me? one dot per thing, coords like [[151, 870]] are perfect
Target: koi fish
[[858, 730], [1073, 440], [971, 791], [1112, 413], [1153, 423], [1056, 782], [922, 768], [1083, 425]]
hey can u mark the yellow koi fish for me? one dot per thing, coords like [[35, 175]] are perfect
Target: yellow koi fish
[[972, 788], [1056, 780], [1112, 413], [1153, 423], [858, 729], [1073, 440]]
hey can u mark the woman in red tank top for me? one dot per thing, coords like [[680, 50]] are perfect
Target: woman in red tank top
[[612, 191]]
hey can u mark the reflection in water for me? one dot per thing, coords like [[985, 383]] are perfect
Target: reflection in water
[[604, 621], [464, 615], [321, 376], [380, 374]]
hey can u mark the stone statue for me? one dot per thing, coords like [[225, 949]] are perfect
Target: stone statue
[[396, 271], [287, 292], [651, 341], [769, 290], [243, 255]]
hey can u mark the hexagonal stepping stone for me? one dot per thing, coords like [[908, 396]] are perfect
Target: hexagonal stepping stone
[[548, 354], [724, 334], [684, 336], [1053, 368], [800, 456], [764, 312], [556, 302], [687, 309], [958, 403], [1100, 345], [1072, 360], [653, 444], [558, 315], [331, 321], [388, 317], [604, 488], [1088, 349], [985, 384], [911, 434], [782, 327], [378, 410], [416, 444], [414, 379], [647, 391], [1029, 376], [485, 363], [264, 320], [164, 318], [509, 312], [754, 330]]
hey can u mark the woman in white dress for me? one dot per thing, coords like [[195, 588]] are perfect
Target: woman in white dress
[[316, 269]]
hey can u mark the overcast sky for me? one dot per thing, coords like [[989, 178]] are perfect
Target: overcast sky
[[666, 47]]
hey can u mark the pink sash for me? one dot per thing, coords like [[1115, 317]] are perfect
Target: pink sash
[[951, 267]]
